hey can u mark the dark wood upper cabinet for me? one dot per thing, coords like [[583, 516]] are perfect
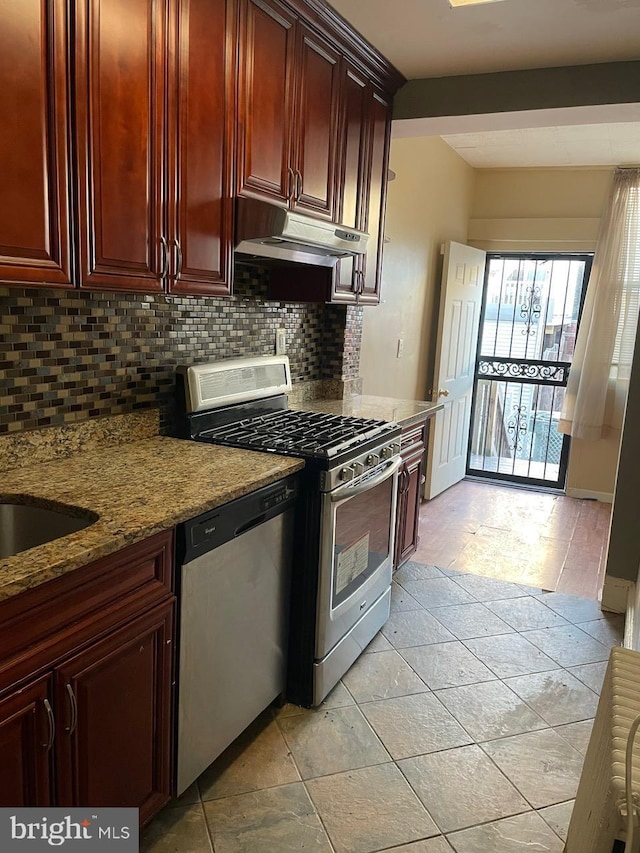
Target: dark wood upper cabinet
[[120, 86], [201, 126], [317, 99], [288, 110], [35, 239], [265, 100], [26, 740], [376, 198]]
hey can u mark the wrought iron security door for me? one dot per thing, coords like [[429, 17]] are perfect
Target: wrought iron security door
[[530, 313]]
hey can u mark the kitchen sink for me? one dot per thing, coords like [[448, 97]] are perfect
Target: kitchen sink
[[23, 526]]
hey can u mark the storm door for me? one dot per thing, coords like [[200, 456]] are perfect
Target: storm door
[[530, 312]]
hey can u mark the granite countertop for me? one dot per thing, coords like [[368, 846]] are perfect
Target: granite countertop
[[136, 489], [403, 412]]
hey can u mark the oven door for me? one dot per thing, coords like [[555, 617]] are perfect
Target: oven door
[[356, 552]]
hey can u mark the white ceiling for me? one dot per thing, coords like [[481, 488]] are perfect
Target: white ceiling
[[427, 38]]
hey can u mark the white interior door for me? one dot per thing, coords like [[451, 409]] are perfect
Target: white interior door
[[459, 319]]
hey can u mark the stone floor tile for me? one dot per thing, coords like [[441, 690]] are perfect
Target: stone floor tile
[[188, 798], [413, 571], [331, 741], [558, 817], [259, 758], [467, 621], [415, 628], [177, 830], [379, 644], [568, 646], [609, 630], [414, 725], [462, 787], [526, 614], [446, 665], [572, 607], [438, 592], [364, 810], [338, 698], [543, 766], [577, 734], [431, 845], [526, 832], [491, 589], [401, 600], [508, 655], [591, 674], [490, 710], [281, 819], [557, 696], [382, 676]]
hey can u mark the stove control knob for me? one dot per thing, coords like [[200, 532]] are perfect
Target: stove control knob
[[395, 447], [372, 459], [346, 474], [358, 468], [386, 452]]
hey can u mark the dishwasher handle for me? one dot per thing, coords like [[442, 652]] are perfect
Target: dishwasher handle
[[249, 525]]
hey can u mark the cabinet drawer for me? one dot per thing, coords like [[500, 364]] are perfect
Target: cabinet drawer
[[40, 625], [413, 439]]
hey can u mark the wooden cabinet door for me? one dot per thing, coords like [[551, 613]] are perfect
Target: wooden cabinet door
[[26, 738], [113, 712], [353, 173], [265, 101], [373, 224], [316, 125], [409, 508], [120, 91], [34, 179], [201, 126]]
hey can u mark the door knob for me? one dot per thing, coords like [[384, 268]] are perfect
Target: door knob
[[442, 392]]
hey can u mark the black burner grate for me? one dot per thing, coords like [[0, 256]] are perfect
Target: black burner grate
[[298, 432]]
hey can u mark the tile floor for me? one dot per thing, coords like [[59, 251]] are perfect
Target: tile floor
[[538, 538], [462, 728]]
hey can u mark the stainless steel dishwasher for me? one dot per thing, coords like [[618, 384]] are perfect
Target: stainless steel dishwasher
[[234, 566]]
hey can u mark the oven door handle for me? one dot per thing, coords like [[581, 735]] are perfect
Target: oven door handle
[[351, 491]]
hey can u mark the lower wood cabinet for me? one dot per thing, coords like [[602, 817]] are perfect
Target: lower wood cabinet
[[413, 443], [95, 728]]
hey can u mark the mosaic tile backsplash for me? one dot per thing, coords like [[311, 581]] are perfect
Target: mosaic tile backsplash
[[68, 356]]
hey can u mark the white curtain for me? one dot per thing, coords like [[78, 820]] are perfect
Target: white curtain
[[596, 393]]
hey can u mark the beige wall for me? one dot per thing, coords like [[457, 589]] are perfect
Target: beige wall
[[549, 210], [428, 202]]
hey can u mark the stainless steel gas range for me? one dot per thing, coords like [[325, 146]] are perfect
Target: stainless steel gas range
[[344, 525]]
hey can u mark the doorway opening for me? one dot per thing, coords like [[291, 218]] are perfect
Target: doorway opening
[[531, 308]]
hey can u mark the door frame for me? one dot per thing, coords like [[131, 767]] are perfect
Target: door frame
[[516, 479]]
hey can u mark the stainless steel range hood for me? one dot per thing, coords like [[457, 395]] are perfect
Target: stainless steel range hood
[[264, 230]]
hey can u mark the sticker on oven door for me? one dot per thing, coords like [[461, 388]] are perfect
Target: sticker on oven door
[[351, 562]]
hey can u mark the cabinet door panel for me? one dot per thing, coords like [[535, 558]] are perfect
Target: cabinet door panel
[[25, 735], [265, 100], [409, 517], [316, 124], [34, 214], [119, 105], [117, 754], [377, 194], [202, 116]]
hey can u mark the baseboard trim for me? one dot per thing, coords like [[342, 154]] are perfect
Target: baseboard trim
[[616, 593], [631, 623], [603, 497]]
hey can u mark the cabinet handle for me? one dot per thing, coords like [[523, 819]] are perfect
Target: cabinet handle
[[52, 725], [74, 711], [179, 264], [292, 184], [298, 184], [165, 258]]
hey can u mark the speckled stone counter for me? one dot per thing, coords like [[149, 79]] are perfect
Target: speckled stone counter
[[403, 412], [136, 489]]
